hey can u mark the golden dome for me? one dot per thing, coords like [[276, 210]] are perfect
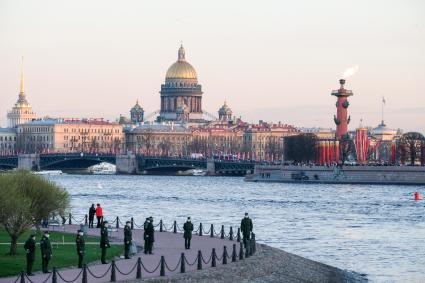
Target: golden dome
[[181, 69]]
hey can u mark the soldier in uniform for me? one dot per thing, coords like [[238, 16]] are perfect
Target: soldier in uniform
[[104, 241], [92, 212], [128, 238], [145, 238], [46, 252], [81, 246], [188, 229], [149, 236], [246, 228], [30, 250]]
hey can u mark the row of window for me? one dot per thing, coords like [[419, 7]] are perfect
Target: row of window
[[7, 139], [103, 131]]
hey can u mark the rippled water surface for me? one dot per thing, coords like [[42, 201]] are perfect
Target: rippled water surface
[[376, 230]]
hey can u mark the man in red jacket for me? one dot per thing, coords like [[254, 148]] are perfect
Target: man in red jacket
[[99, 216]]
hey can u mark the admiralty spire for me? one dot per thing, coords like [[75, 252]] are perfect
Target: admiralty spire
[[22, 111]]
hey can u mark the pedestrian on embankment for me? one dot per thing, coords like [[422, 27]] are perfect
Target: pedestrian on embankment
[[30, 251], [149, 236], [187, 235], [104, 241], [99, 215], [128, 238], [92, 212], [246, 228]]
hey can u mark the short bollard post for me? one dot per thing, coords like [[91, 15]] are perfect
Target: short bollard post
[[213, 258], [139, 268], [70, 220], [231, 233], [162, 271], [113, 272], [182, 264], [175, 227], [54, 275], [225, 255], [199, 260], [160, 226], [240, 251], [238, 237], [22, 277], [234, 253], [254, 245], [84, 274], [85, 220], [247, 248], [117, 225], [132, 223], [200, 229], [212, 231], [222, 232], [251, 247]]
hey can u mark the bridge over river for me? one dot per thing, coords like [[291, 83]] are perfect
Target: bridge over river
[[126, 164]]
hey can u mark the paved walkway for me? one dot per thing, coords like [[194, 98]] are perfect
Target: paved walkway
[[166, 244]]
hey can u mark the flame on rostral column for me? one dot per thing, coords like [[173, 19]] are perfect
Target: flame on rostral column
[[350, 71]]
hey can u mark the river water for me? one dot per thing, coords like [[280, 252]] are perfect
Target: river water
[[370, 229]]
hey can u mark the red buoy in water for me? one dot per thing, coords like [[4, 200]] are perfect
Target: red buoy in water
[[418, 196]]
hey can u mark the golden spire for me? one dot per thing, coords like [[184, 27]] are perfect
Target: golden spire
[[21, 89]]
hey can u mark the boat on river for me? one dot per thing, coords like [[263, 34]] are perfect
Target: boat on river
[[391, 175]]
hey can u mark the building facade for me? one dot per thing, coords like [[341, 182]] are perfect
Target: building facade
[[70, 135], [7, 141]]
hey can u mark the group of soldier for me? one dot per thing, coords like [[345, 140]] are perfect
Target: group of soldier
[[148, 236]]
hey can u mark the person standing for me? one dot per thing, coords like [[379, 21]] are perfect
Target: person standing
[[81, 247], [149, 237], [104, 241], [128, 238], [246, 228], [188, 229], [145, 236], [92, 212], [46, 252], [99, 215], [30, 250]]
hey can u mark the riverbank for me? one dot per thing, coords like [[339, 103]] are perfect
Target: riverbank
[[267, 265]]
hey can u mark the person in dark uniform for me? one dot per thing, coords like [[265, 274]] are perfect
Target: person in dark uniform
[[150, 238], [92, 212], [46, 252], [188, 229], [30, 250], [128, 238], [104, 241], [246, 228], [81, 246], [145, 238]]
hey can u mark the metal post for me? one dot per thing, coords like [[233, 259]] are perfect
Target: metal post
[[247, 248], [222, 232], [225, 255], [139, 268], [234, 253], [200, 229], [213, 258], [22, 277], [199, 260], [85, 220], [113, 273], [117, 225], [231, 233], [212, 231], [132, 223], [254, 245], [160, 226], [240, 251], [182, 264], [238, 237], [69, 220], [84, 274], [175, 227], [162, 271], [54, 276]]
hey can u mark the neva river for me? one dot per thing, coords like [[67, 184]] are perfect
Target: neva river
[[375, 230]]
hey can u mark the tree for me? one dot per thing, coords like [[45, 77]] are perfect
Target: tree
[[300, 148], [25, 199]]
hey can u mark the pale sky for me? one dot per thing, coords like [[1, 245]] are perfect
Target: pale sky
[[271, 60]]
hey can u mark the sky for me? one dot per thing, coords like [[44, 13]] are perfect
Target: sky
[[271, 60]]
